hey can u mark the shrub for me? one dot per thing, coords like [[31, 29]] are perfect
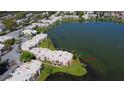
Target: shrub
[[27, 56], [75, 55], [10, 24], [9, 42], [41, 29], [2, 33]]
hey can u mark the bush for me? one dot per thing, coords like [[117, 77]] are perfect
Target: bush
[[27, 56], [9, 42], [81, 13], [20, 15], [10, 24], [40, 29], [75, 55], [2, 33]]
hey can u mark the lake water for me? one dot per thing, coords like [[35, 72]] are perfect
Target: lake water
[[100, 44]]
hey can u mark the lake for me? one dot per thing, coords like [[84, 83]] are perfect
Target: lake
[[100, 44]]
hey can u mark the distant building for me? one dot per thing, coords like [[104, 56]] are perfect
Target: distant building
[[7, 17], [30, 27], [29, 32], [89, 14], [33, 25], [71, 16], [21, 21], [40, 25]]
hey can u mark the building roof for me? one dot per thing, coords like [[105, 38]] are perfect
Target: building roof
[[28, 31], [5, 38], [71, 16], [33, 25], [43, 53], [1, 46], [33, 42], [25, 71]]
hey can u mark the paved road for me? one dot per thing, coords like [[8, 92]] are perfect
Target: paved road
[[14, 33], [13, 54]]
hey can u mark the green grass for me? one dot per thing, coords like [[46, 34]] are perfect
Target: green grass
[[41, 29], [9, 42], [69, 20], [2, 33], [76, 69], [47, 43]]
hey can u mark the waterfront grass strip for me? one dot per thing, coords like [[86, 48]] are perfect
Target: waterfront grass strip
[[47, 43], [76, 69]]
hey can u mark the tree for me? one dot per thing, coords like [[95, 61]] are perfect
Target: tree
[[75, 55], [2, 33], [81, 13], [20, 15], [10, 24], [3, 67], [27, 56]]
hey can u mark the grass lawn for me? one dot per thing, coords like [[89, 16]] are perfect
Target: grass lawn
[[41, 29], [76, 69], [69, 20], [47, 43], [2, 33]]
